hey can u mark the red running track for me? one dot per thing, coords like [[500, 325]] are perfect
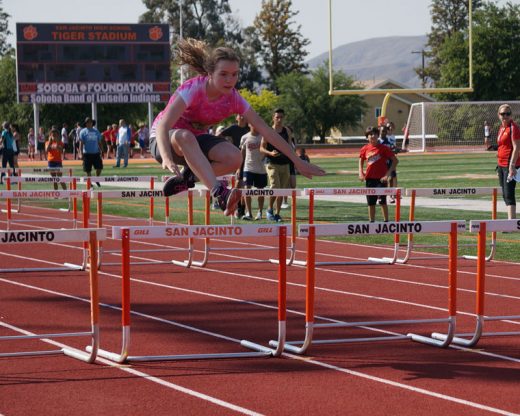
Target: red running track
[[226, 303]]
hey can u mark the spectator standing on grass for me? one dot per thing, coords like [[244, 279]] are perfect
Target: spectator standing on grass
[[31, 144], [254, 170], [180, 132], [90, 148], [278, 170], [377, 173], [123, 144], [7, 145], [508, 157], [107, 138], [389, 141], [17, 143], [65, 139], [40, 142], [54, 149], [487, 133], [143, 136]]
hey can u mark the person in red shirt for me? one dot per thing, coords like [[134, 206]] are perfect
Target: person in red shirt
[[54, 149], [508, 140], [378, 173], [107, 137]]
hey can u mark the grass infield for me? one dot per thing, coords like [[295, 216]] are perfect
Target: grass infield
[[414, 171]]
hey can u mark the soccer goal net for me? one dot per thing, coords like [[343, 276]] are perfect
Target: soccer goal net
[[444, 126]]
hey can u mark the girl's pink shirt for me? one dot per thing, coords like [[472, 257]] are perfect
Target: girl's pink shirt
[[200, 113]]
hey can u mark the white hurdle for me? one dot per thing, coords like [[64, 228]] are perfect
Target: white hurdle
[[471, 339], [312, 193], [71, 180], [100, 196], [37, 194], [311, 231], [413, 193], [209, 248], [87, 236], [126, 234]]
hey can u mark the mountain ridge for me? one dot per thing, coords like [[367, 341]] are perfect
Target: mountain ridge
[[378, 58]]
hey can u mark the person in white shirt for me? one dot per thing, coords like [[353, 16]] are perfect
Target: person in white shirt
[[64, 139], [254, 169], [123, 144]]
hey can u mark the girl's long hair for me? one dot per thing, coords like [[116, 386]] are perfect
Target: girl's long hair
[[200, 57]]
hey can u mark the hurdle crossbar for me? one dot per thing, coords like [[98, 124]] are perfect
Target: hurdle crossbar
[[19, 179], [482, 227], [311, 231], [40, 194], [209, 248], [100, 196], [88, 236], [312, 193], [127, 234], [413, 193]]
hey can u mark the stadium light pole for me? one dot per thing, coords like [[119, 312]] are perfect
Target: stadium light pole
[[180, 36]]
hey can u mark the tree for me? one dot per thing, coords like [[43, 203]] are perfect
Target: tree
[[20, 114], [310, 108], [496, 45], [282, 47], [263, 103], [210, 21], [449, 18], [5, 47]]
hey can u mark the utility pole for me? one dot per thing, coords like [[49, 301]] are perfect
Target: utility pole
[[423, 53]]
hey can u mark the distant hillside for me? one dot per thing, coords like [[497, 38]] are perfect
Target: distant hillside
[[378, 58]]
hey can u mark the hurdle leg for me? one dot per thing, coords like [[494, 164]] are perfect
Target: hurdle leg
[[94, 308], [480, 293], [125, 304], [452, 297], [309, 298], [282, 300]]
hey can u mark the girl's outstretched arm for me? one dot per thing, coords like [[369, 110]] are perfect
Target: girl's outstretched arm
[[304, 168]]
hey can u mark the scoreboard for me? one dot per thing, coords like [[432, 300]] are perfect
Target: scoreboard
[[85, 63]]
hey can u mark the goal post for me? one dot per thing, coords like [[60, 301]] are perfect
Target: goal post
[[445, 126]]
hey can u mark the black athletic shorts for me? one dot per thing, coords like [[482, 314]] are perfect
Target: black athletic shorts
[[372, 199], [206, 143]]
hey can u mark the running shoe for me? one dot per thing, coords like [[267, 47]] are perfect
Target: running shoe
[[247, 217], [277, 218], [270, 215], [284, 205], [258, 216], [177, 184], [228, 199]]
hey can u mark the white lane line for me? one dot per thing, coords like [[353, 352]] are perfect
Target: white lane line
[[402, 386], [148, 377]]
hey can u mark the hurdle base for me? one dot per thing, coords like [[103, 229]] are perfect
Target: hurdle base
[[66, 267], [81, 355], [30, 353], [185, 357], [382, 260]]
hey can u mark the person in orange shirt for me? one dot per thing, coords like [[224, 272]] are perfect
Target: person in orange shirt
[[54, 150]]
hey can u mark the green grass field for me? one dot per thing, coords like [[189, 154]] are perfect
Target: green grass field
[[414, 171]]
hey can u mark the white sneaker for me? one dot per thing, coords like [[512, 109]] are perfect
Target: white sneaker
[[258, 216], [284, 206]]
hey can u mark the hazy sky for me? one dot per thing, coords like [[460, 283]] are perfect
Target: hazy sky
[[353, 20]]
